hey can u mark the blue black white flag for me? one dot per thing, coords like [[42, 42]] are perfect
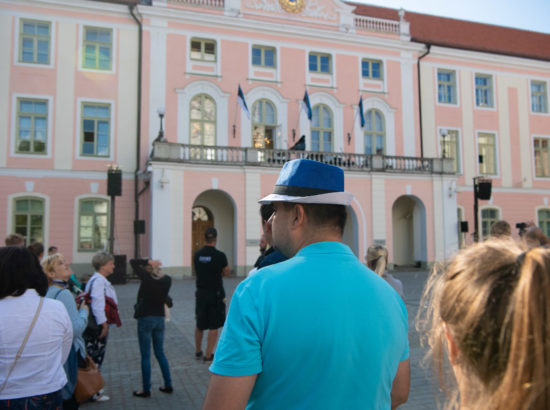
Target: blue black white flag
[[306, 106], [242, 102], [361, 112]]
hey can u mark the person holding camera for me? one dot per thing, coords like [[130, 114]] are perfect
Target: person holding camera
[[150, 312]]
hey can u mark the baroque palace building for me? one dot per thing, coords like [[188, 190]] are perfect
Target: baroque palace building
[[413, 107]]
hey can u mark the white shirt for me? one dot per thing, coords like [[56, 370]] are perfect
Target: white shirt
[[101, 287], [39, 370]]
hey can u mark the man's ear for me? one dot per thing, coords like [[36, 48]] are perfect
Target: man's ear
[[298, 215]]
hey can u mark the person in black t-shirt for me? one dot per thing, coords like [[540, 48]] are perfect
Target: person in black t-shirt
[[210, 266], [149, 312]]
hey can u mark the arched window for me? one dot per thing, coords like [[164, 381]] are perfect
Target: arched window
[[93, 224], [202, 120], [321, 128], [488, 217], [375, 133], [264, 123], [28, 219]]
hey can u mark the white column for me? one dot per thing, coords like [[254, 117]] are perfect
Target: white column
[[157, 79], [407, 106]]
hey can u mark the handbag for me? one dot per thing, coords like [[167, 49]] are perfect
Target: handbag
[[138, 309], [88, 381], [111, 311], [18, 355]]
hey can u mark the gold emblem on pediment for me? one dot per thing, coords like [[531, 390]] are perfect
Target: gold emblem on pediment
[[293, 6]]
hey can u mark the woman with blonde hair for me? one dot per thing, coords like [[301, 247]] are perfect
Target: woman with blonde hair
[[58, 273], [377, 260], [488, 315]]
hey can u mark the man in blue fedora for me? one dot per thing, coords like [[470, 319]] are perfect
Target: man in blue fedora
[[319, 330]]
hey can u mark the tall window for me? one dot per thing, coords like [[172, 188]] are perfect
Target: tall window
[[320, 63], [34, 42], [542, 159], [488, 217], [544, 220], [29, 219], [375, 133], [446, 86], [321, 128], [98, 45], [92, 224], [95, 129], [202, 123], [263, 56], [203, 49], [487, 153], [371, 69], [539, 97], [484, 90], [32, 126], [264, 123], [450, 148]]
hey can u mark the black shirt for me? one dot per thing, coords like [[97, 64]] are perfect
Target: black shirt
[[152, 292], [209, 263]]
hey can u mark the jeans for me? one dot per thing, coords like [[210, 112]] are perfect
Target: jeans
[[152, 327], [50, 401]]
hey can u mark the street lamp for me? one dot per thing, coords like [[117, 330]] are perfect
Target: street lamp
[[443, 133], [160, 112]]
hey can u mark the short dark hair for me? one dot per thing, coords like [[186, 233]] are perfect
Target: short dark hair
[[15, 239], [51, 248], [266, 210], [20, 270], [210, 234], [325, 214], [36, 248]]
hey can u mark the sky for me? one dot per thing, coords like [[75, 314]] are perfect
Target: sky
[[531, 15]]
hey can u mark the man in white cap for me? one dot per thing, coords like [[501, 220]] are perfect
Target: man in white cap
[[319, 330]]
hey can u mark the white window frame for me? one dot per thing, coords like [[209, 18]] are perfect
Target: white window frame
[[459, 147], [534, 165], [83, 256], [20, 195], [497, 167], [13, 131], [16, 40], [389, 118], [540, 208], [79, 105], [493, 91], [80, 45], [338, 124], [546, 82], [480, 219], [457, 87]]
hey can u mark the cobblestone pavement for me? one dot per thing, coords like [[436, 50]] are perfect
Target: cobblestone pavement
[[121, 368]]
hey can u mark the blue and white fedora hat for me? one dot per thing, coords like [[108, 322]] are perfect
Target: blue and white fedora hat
[[309, 182]]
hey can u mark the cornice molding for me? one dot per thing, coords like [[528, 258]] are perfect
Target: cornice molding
[[76, 5]]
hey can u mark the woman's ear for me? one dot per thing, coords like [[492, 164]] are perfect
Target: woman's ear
[[451, 346]]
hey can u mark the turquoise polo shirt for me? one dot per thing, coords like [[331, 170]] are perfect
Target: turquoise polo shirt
[[320, 330]]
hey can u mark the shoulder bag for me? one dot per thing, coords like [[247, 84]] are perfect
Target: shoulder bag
[[88, 382]]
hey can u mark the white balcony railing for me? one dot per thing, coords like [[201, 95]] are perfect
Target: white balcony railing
[[211, 4], [201, 154]]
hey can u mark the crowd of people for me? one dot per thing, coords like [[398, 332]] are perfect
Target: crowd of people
[[310, 327]]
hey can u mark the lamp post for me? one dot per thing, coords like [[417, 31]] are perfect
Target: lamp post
[[114, 189], [160, 112], [443, 133]]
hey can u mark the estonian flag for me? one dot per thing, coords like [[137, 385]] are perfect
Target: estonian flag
[[361, 112], [242, 102], [306, 106]]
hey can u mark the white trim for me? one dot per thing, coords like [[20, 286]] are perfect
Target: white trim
[[85, 256], [358, 206], [57, 173], [281, 107], [46, 226], [252, 68], [111, 103], [460, 170], [532, 156], [13, 129], [331, 76], [493, 89], [540, 80], [185, 96], [383, 81], [102, 25], [457, 87], [37, 17], [337, 120], [480, 219], [190, 62], [408, 111], [389, 119], [497, 156]]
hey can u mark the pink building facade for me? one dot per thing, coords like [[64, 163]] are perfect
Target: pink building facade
[[86, 81]]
